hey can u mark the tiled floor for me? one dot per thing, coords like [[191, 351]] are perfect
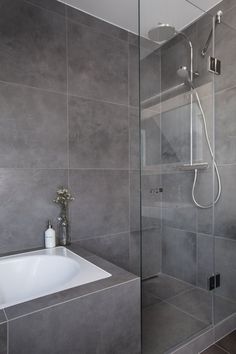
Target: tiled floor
[[227, 345], [174, 311]]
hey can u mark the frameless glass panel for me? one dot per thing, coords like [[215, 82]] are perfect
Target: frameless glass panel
[[225, 152], [177, 95]]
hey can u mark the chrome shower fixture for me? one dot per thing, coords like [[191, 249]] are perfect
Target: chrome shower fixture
[[162, 33], [217, 22], [185, 74]]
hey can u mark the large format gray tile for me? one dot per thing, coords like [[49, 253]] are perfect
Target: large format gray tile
[[225, 327], [135, 253], [175, 128], [223, 308], [225, 209], [134, 138], [224, 247], [98, 134], [196, 302], [27, 203], [84, 325], [197, 344], [101, 206], [164, 327], [225, 126], [114, 248], [150, 184], [134, 83], [211, 259], [225, 50], [204, 196], [33, 46], [150, 74], [151, 139], [33, 128], [135, 197], [177, 188], [3, 339], [228, 287], [149, 299], [179, 216], [205, 259], [98, 65], [165, 287], [52, 5], [179, 254], [96, 23], [2, 317], [151, 252]]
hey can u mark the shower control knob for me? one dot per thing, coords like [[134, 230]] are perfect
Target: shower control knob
[[156, 190]]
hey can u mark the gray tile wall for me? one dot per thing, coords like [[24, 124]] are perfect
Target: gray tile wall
[[69, 116], [86, 324]]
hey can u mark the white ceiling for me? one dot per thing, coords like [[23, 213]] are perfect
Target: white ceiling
[[124, 13]]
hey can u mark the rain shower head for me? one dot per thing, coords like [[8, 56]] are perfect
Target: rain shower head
[[162, 33]]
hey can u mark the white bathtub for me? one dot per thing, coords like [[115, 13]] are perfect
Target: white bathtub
[[30, 275]]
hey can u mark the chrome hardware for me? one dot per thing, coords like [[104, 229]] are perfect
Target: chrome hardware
[[218, 16], [214, 66], [156, 190], [194, 166]]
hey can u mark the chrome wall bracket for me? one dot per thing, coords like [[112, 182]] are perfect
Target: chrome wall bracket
[[214, 65]]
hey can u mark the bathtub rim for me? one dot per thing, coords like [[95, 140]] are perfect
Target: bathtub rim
[[118, 276]]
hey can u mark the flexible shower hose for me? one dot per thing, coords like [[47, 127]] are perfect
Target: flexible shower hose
[[212, 155]]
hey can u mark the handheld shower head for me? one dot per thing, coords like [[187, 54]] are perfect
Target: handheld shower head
[[183, 73], [186, 75]]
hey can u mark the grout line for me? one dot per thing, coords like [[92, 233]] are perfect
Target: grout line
[[66, 5], [73, 299], [45, 90], [67, 98], [102, 236], [99, 19], [65, 168], [199, 288], [179, 294], [187, 313], [224, 350], [195, 338], [5, 314], [45, 9], [7, 330], [8, 337]]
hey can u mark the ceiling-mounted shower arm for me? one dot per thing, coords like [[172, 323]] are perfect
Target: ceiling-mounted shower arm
[[217, 22]]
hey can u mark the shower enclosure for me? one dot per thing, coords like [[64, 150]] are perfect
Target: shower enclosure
[[188, 195]]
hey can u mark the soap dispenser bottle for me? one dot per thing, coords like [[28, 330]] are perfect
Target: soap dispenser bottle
[[50, 236]]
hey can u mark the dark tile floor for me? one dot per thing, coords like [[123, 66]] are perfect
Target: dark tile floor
[[174, 311], [227, 345]]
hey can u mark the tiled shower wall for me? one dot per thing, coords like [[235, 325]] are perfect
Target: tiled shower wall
[[69, 116], [194, 241]]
